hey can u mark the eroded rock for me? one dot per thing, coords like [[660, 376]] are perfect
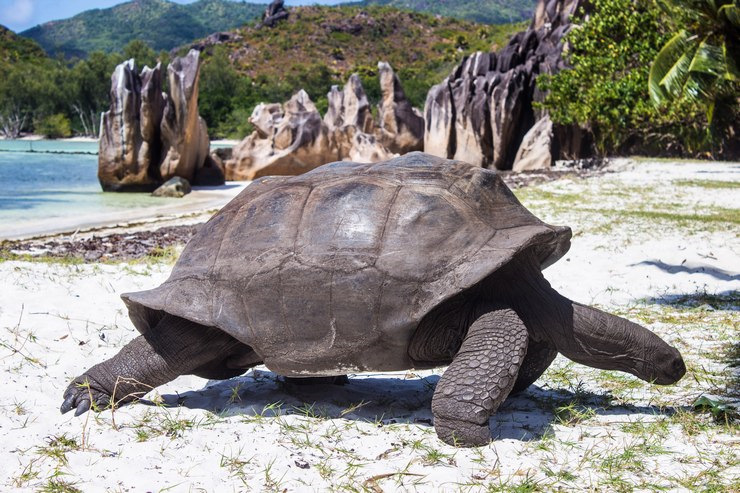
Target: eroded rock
[[483, 110], [401, 125], [292, 138], [185, 142], [147, 136], [129, 130]]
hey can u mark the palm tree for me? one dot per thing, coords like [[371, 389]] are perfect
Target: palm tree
[[700, 62]]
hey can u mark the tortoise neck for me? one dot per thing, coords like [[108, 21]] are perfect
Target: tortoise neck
[[583, 334], [521, 285]]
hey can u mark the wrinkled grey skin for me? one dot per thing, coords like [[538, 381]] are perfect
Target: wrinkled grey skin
[[417, 262]]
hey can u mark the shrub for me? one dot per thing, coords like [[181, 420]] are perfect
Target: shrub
[[54, 126]]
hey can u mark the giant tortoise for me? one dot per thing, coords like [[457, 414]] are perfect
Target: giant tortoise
[[413, 263]]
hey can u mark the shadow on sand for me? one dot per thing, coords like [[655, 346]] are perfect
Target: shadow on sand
[[691, 268], [386, 400]]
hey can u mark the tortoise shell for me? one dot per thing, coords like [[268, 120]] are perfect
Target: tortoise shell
[[331, 271]]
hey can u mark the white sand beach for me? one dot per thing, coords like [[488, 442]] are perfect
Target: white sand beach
[[654, 241]]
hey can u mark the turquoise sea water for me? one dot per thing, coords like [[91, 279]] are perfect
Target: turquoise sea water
[[41, 185]]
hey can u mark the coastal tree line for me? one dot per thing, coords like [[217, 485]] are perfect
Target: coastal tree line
[[687, 104]]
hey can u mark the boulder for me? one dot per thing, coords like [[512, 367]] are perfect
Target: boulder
[[274, 13], [349, 107], [288, 139], [176, 187], [185, 142], [401, 125], [439, 120], [482, 111], [148, 136], [535, 152], [292, 138], [129, 130]]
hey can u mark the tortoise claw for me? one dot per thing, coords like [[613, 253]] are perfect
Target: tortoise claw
[[68, 404], [82, 407], [81, 394]]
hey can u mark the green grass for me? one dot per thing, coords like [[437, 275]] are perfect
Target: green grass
[[713, 184]]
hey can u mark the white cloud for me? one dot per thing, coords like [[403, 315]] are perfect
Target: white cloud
[[19, 11]]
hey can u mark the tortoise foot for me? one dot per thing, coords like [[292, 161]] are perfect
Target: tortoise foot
[[462, 433], [83, 393]]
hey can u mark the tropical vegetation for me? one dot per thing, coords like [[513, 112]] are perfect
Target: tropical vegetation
[[607, 88], [699, 63]]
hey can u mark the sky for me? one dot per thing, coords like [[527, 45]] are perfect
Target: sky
[[20, 15]]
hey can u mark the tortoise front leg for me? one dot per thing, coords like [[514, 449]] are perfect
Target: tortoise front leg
[[174, 347], [480, 378]]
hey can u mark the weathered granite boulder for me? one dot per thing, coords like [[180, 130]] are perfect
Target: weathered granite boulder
[[288, 139], [147, 136], [174, 187], [129, 131], [185, 142], [349, 107], [482, 111], [401, 125], [536, 151], [292, 138]]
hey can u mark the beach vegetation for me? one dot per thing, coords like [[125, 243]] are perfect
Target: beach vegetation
[[54, 126], [607, 90], [699, 63]]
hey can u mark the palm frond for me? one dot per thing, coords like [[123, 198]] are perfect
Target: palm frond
[[709, 59], [671, 67]]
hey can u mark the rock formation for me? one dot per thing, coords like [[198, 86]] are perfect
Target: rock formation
[[401, 125], [274, 13], [129, 131], [483, 110], [148, 136], [184, 134], [174, 187], [293, 138]]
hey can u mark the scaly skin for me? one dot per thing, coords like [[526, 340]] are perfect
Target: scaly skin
[[480, 378], [538, 359]]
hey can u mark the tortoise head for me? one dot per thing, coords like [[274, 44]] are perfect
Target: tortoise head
[[609, 342]]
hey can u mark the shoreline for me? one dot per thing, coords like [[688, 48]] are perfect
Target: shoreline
[[78, 139], [201, 203]]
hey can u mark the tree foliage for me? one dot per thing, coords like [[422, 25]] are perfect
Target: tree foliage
[[606, 88], [699, 63], [51, 97]]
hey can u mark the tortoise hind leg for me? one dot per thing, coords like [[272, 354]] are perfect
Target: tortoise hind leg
[[174, 347], [538, 359], [480, 378]]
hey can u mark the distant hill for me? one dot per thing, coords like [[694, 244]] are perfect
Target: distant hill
[[485, 11], [14, 48], [162, 24]]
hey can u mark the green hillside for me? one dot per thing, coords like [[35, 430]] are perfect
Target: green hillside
[[320, 46], [162, 24], [484, 11], [14, 48]]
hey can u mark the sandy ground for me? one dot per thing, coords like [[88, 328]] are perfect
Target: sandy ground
[[656, 242]]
